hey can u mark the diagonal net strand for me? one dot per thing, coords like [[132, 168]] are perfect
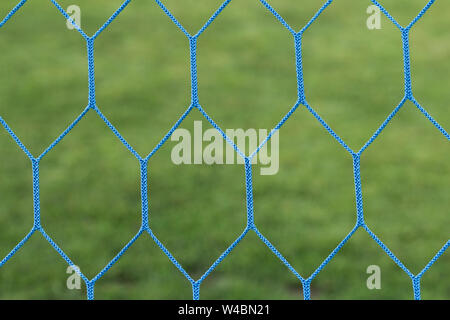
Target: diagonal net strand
[[146, 228]]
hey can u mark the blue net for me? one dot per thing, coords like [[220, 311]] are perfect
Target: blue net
[[251, 227]]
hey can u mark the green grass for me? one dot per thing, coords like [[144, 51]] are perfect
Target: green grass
[[90, 183]]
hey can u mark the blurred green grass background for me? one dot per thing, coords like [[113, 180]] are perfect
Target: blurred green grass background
[[90, 192]]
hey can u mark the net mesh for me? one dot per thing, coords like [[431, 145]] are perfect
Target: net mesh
[[251, 227]]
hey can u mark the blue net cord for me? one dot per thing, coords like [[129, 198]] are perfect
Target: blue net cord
[[251, 227]]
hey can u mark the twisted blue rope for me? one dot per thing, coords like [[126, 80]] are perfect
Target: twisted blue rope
[[251, 226]]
